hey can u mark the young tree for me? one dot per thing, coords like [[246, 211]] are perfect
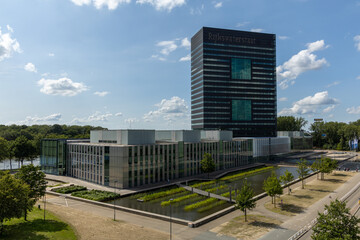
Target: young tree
[[35, 178], [327, 165], [286, 178], [207, 164], [244, 199], [303, 170], [337, 223], [13, 197], [273, 187], [316, 166]]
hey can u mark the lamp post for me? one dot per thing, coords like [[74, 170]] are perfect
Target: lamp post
[[115, 199], [170, 219], [45, 201]]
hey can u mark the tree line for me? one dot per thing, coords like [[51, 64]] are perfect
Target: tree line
[[326, 135], [21, 142]]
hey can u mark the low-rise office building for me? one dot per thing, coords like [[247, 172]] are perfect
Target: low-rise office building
[[131, 158]]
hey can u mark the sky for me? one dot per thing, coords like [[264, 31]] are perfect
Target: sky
[[126, 63]]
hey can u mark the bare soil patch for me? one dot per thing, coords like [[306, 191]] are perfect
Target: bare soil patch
[[315, 190], [254, 228], [92, 227]]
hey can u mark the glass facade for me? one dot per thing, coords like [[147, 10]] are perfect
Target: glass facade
[[241, 110], [233, 82], [241, 68], [53, 156]]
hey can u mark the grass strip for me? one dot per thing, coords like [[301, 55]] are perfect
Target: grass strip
[[206, 208], [245, 174], [156, 195], [69, 189], [96, 195]]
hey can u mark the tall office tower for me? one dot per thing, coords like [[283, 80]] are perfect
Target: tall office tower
[[233, 82]]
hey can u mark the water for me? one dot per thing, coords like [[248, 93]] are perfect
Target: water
[[177, 209], [5, 165]]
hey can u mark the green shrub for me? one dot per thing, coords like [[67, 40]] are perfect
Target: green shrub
[[69, 189], [96, 195]]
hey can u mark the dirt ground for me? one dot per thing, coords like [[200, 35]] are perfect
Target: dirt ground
[[92, 227], [315, 190], [254, 228]]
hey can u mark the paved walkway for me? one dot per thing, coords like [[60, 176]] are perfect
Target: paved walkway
[[205, 193]]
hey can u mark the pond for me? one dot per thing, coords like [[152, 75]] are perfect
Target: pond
[[5, 165], [204, 205]]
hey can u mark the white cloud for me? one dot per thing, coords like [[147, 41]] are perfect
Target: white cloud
[[156, 56], [110, 4], [333, 84], [185, 43], [283, 99], [96, 117], [51, 118], [353, 110], [119, 114], [197, 10], [169, 109], [62, 86], [51, 54], [242, 24], [310, 104], [256, 30], [218, 4], [30, 67], [8, 45], [283, 37], [9, 28], [301, 62], [101, 94], [329, 109], [357, 42], [186, 58], [163, 4], [358, 78], [167, 47]]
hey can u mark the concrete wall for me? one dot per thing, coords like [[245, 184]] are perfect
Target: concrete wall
[[216, 135], [124, 137]]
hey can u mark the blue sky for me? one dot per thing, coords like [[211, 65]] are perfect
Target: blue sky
[[125, 63]]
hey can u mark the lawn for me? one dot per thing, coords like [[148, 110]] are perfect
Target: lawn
[[38, 229], [315, 190], [254, 228]]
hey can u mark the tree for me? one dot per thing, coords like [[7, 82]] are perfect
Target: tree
[[23, 149], [13, 197], [4, 149], [207, 164], [303, 170], [273, 187], [316, 166], [290, 123], [337, 223], [286, 178], [327, 165], [35, 178], [244, 199]]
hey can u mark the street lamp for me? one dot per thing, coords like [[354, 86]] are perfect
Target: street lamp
[[115, 199], [170, 218], [45, 200]]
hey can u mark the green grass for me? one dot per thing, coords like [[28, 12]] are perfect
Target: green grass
[[38, 229], [69, 189], [96, 195]]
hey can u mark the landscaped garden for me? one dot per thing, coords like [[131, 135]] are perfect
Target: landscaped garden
[[82, 192], [190, 205]]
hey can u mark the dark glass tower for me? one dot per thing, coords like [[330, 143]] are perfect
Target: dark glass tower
[[233, 82]]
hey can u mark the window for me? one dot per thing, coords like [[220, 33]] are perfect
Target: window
[[241, 110], [240, 68]]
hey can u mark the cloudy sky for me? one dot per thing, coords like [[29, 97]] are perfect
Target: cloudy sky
[[125, 63]]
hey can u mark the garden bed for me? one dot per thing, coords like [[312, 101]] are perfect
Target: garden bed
[[96, 195], [69, 189]]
